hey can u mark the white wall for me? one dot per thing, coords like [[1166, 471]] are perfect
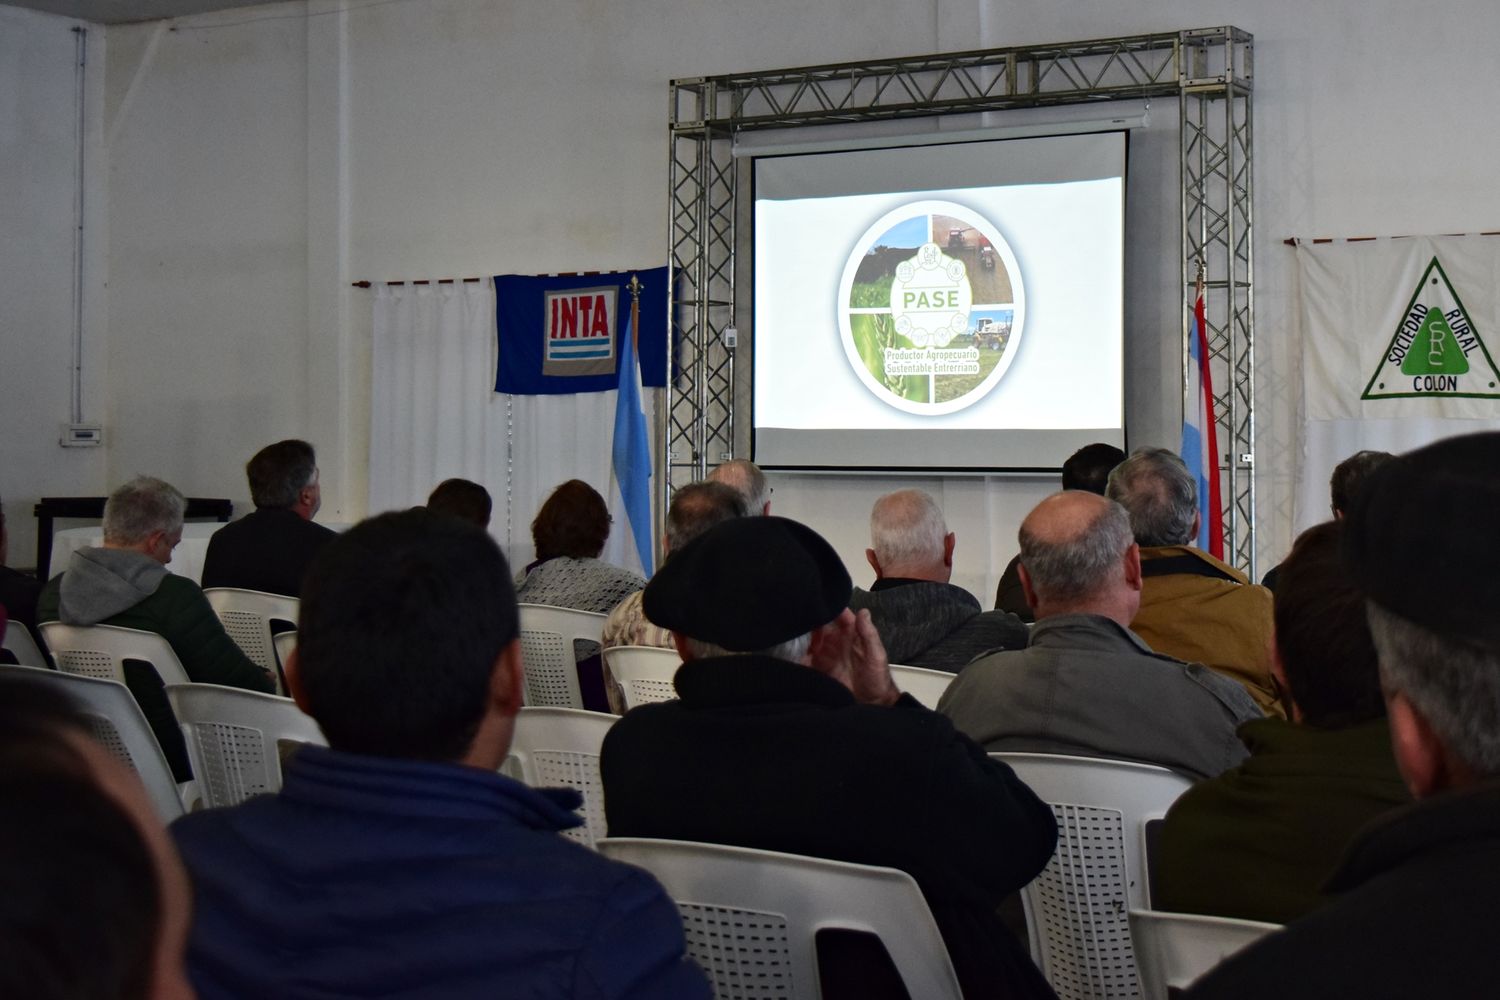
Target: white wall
[[38, 190], [261, 159]]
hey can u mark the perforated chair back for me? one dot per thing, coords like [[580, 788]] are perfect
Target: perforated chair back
[[750, 916], [235, 739], [560, 747], [925, 685], [644, 673], [116, 722], [551, 641], [1077, 909], [100, 651], [18, 640], [247, 616], [1174, 949]]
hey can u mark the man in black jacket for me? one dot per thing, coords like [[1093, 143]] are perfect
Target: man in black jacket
[[790, 736], [271, 548], [1415, 914]]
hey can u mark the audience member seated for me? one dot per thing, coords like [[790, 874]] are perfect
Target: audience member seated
[[694, 509], [126, 583], [1348, 479], [923, 620], [790, 736], [746, 477], [462, 498], [397, 862], [93, 901], [1193, 606], [1258, 841], [1086, 469], [270, 548], [1414, 907], [1087, 684], [569, 532], [18, 591]]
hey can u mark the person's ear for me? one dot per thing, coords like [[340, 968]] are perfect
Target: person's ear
[[1197, 525], [292, 670], [874, 561], [1132, 565], [949, 541], [1278, 674], [1420, 755], [1026, 587], [508, 679]]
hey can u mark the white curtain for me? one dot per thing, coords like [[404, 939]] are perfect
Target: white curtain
[[434, 414]]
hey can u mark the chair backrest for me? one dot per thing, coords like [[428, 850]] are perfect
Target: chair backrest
[[925, 685], [100, 651], [285, 643], [235, 738], [1174, 949], [1077, 908], [117, 723], [644, 673], [548, 641], [247, 616], [750, 916], [560, 746], [18, 640]]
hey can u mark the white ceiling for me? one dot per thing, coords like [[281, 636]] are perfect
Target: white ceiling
[[126, 11]]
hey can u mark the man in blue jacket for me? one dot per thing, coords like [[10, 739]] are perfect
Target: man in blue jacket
[[398, 862]]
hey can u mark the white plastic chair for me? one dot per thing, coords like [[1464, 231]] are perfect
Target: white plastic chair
[[234, 738], [925, 685], [1077, 909], [247, 616], [1174, 949], [118, 725], [644, 673], [100, 651], [18, 640], [285, 643], [751, 916], [549, 652], [560, 746]]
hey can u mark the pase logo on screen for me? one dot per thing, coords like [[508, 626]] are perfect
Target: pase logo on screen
[[931, 307]]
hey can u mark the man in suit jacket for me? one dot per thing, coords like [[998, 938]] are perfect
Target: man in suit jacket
[[271, 548]]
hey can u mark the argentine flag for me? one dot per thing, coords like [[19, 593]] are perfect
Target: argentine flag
[[1200, 442], [631, 454]]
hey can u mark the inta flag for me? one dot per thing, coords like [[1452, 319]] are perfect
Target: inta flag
[[1200, 440], [631, 453]]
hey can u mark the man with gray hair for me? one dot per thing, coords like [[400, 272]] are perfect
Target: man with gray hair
[[126, 583], [1087, 684], [1413, 913], [746, 477], [923, 619], [270, 548], [1193, 606]]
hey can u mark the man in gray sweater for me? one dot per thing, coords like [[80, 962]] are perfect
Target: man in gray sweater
[[1086, 684]]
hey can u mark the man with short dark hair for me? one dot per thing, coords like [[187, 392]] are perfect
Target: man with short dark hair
[[1413, 913], [1257, 842], [1193, 606], [462, 498], [270, 548], [791, 736], [923, 619], [1347, 480], [1086, 469], [125, 582], [397, 861], [1087, 684]]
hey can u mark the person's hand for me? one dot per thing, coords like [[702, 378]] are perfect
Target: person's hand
[[850, 651]]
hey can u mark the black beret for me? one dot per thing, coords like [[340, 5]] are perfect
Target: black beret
[[749, 584], [1419, 541]]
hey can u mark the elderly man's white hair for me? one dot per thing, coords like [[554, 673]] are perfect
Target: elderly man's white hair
[[907, 527], [140, 507], [745, 476]]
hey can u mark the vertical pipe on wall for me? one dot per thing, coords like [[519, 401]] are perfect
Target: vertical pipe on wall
[[80, 70]]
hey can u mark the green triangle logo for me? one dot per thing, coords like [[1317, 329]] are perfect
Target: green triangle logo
[[1436, 350]]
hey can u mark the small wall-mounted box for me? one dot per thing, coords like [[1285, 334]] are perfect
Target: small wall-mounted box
[[82, 436]]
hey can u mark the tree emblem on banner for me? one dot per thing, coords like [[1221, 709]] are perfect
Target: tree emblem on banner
[[1436, 350]]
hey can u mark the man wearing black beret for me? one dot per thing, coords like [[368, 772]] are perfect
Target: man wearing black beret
[[1415, 914], [790, 735]]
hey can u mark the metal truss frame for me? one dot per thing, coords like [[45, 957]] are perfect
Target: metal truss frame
[[1210, 73]]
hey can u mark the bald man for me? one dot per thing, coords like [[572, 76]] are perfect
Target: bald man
[[1086, 684], [746, 477]]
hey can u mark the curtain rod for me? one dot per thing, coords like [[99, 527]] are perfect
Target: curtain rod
[[470, 281], [1293, 241]]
